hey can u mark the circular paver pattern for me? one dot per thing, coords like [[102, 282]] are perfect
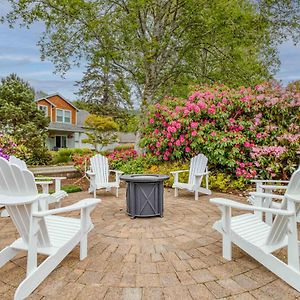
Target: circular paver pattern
[[178, 256]]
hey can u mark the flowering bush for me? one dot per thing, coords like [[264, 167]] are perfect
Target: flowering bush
[[9, 147], [245, 131], [119, 157]]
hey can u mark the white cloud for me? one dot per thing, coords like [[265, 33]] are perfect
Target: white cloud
[[19, 58]]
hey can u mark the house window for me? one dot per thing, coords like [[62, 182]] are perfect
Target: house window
[[61, 141], [67, 116], [63, 116], [43, 108]]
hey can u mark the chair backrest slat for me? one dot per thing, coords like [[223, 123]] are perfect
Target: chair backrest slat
[[198, 165], [18, 193], [99, 165], [280, 225], [18, 162]]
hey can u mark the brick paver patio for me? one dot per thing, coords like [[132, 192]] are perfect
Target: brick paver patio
[[175, 257]]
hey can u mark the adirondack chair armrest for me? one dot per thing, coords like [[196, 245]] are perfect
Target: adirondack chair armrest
[[176, 175], [117, 172], [77, 206], [90, 173], [48, 182], [201, 174], [180, 171], [295, 198], [274, 187], [47, 178], [266, 195], [268, 181], [13, 200], [237, 205]]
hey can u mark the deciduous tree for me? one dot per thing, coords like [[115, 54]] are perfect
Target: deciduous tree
[[158, 47], [102, 131]]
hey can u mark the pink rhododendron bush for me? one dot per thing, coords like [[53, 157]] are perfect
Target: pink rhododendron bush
[[248, 132], [9, 147]]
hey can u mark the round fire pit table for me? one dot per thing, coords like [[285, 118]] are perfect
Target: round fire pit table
[[145, 194]]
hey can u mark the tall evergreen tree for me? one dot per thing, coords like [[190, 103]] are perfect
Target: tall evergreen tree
[[21, 118], [104, 86]]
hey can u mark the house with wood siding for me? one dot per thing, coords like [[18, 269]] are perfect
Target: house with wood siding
[[66, 128]]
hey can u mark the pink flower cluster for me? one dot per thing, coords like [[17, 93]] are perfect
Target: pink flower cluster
[[276, 151], [292, 138], [245, 169]]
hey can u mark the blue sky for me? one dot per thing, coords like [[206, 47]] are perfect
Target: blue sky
[[19, 54]]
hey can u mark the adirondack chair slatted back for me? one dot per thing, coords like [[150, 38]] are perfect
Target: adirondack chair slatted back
[[99, 165], [279, 226], [18, 162], [17, 188], [197, 166]]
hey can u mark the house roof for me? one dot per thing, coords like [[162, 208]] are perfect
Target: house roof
[[45, 100], [65, 127], [56, 94]]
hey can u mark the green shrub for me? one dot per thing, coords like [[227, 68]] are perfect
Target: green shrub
[[166, 168], [71, 188], [38, 160], [65, 155], [136, 166], [222, 182]]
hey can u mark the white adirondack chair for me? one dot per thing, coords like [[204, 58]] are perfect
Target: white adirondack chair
[[40, 231], [198, 169], [57, 196], [99, 175], [260, 239]]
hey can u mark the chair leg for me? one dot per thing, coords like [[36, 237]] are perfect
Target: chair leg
[[83, 247], [227, 244], [30, 283], [117, 192], [176, 192], [6, 255], [196, 195], [84, 229]]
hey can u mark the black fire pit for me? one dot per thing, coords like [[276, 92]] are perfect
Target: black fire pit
[[145, 194]]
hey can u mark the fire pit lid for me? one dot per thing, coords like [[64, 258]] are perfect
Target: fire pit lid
[[144, 177]]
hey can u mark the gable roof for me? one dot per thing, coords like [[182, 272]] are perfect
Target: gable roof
[[59, 95], [37, 100]]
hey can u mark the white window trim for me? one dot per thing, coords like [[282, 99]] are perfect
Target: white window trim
[[41, 105], [63, 116]]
